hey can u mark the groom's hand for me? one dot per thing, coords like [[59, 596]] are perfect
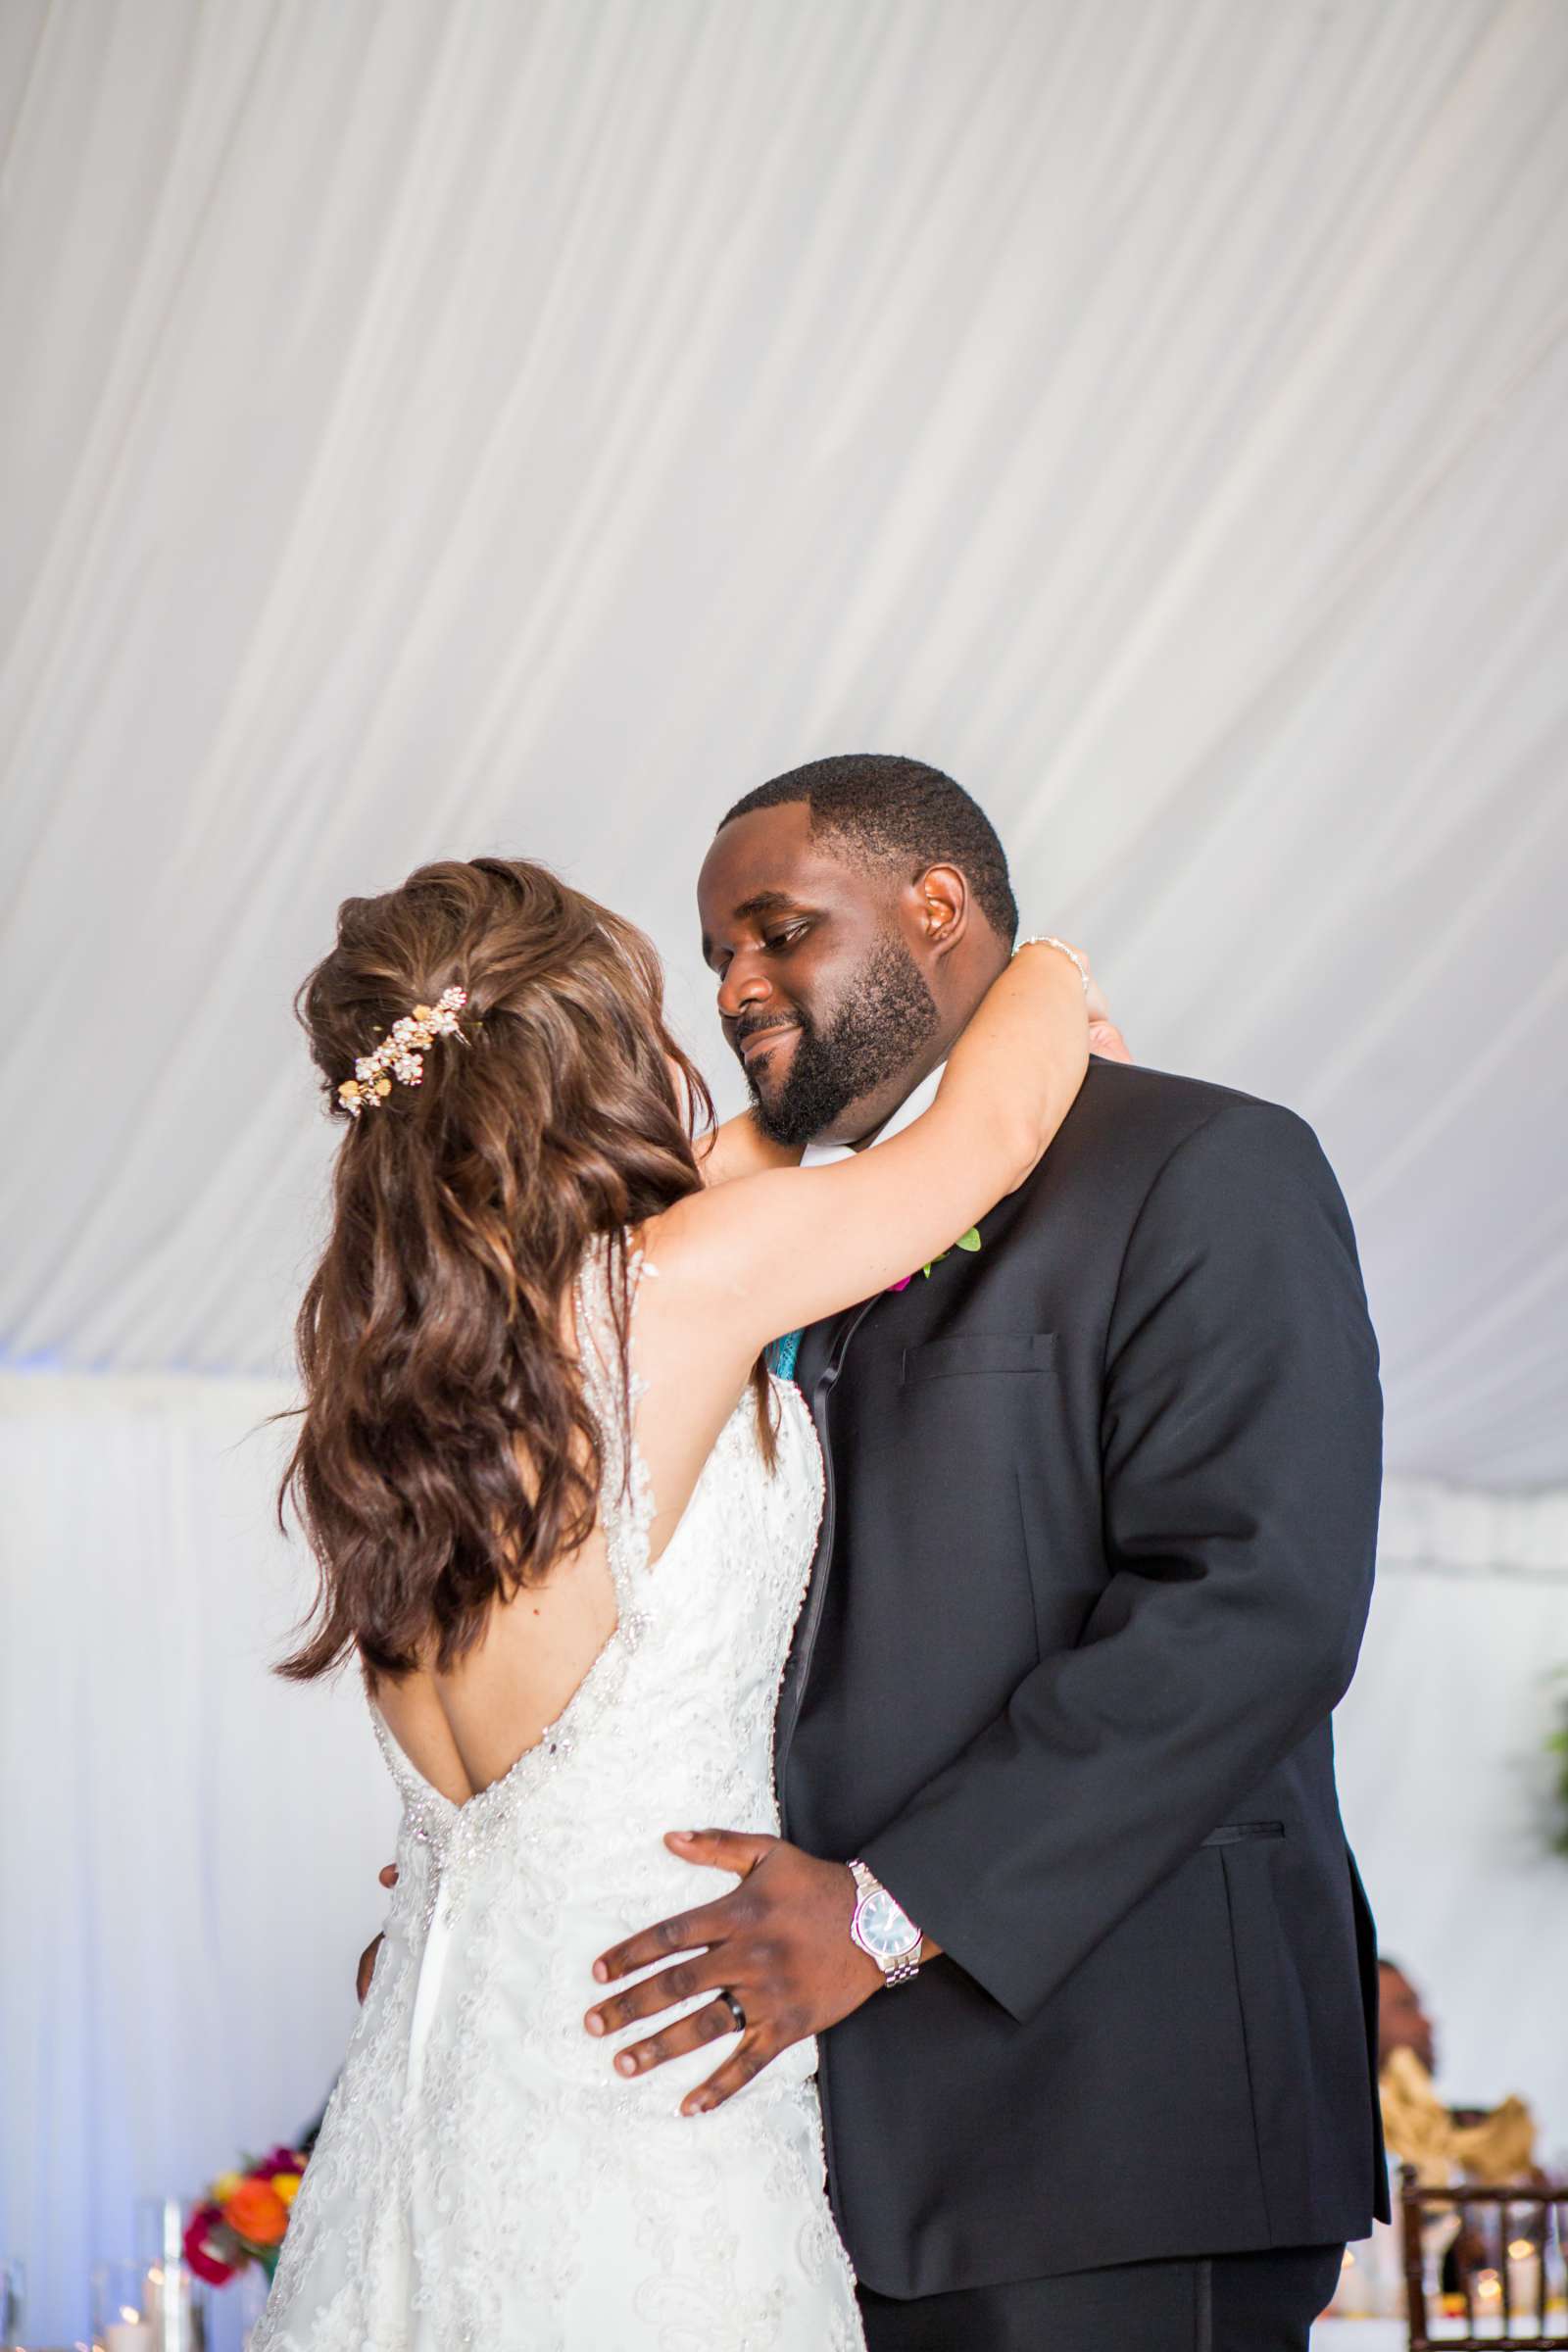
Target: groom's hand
[[373, 1950], [779, 1946]]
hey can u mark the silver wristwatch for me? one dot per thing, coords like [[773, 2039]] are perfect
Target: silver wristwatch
[[883, 1929]]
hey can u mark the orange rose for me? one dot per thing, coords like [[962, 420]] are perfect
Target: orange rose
[[256, 2211]]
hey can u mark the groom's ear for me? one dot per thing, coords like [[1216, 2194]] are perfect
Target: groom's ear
[[940, 907]]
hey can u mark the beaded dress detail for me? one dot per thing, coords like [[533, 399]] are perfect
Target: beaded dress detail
[[483, 2179]]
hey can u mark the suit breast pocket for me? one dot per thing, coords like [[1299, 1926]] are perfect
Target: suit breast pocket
[[974, 1352]]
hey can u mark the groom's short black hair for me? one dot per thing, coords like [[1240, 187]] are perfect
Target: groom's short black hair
[[890, 810]]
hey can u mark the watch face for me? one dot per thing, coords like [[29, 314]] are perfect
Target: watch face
[[885, 1930]]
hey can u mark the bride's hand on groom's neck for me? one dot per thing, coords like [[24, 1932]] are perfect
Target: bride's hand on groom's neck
[[1104, 1037]]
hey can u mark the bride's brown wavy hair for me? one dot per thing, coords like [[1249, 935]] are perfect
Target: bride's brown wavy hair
[[446, 1455]]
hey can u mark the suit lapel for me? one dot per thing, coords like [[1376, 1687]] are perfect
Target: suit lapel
[[824, 1348], [816, 1345]]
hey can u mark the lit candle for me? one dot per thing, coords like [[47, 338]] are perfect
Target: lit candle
[[1523, 2277], [131, 2332], [167, 2314]]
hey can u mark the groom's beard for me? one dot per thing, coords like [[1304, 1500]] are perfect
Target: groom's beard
[[888, 1015]]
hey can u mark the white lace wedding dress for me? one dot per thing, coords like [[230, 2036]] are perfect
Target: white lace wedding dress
[[483, 2177]]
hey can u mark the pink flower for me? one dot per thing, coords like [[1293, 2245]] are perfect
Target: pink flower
[[969, 1240]]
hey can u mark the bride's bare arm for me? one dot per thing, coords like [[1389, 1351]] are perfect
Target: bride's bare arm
[[740, 1148], [768, 1252]]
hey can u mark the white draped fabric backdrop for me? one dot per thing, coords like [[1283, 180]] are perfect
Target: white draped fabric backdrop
[[439, 425]]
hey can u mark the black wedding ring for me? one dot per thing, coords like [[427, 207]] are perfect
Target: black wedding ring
[[735, 2010]]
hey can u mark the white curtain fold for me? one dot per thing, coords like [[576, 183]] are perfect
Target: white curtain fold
[[465, 425], [188, 1847]]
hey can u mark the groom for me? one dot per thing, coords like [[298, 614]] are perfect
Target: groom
[[1097, 2001]]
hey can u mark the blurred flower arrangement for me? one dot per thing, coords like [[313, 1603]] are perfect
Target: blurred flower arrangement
[[1557, 1744], [243, 2218]]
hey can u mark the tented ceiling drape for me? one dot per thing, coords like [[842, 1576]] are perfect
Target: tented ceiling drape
[[462, 424]]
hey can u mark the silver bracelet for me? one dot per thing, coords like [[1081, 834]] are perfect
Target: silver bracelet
[[1042, 939]]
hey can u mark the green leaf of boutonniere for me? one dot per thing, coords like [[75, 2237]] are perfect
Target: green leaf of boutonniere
[[966, 1241]]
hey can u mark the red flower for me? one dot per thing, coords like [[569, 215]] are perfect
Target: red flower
[[281, 2160], [202, 2247]]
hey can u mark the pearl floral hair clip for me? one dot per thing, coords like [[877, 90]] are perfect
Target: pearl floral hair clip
[[402, 1053]]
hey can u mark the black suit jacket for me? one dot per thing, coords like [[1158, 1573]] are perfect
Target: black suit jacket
[[1094, 1568]]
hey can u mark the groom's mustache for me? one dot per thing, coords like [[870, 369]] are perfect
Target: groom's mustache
[[741, 1029]]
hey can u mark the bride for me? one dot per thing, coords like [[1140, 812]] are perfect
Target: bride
[[563, 1520]]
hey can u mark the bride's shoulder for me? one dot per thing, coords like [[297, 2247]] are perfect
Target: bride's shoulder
[[695, 1238], [692, 1305]]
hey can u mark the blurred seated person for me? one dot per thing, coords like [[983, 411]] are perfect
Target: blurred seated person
[[1486, 2145]]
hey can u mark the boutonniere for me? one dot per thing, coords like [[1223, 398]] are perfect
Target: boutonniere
[[966, 1241]]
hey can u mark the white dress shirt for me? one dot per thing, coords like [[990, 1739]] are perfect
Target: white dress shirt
[[823, 1156]]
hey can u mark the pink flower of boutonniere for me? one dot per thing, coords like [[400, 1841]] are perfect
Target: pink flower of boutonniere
[[966, 1241]]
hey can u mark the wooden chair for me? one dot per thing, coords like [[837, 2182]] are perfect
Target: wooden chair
[[1526, 2325]]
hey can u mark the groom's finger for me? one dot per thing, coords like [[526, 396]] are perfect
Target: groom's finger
[[688, 1932], [739, 1850], [710, 2024], [742, 2066], [704, 1973], [366, 1968]]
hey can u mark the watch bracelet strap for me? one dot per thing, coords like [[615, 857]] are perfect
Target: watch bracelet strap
[[901, 1972]]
